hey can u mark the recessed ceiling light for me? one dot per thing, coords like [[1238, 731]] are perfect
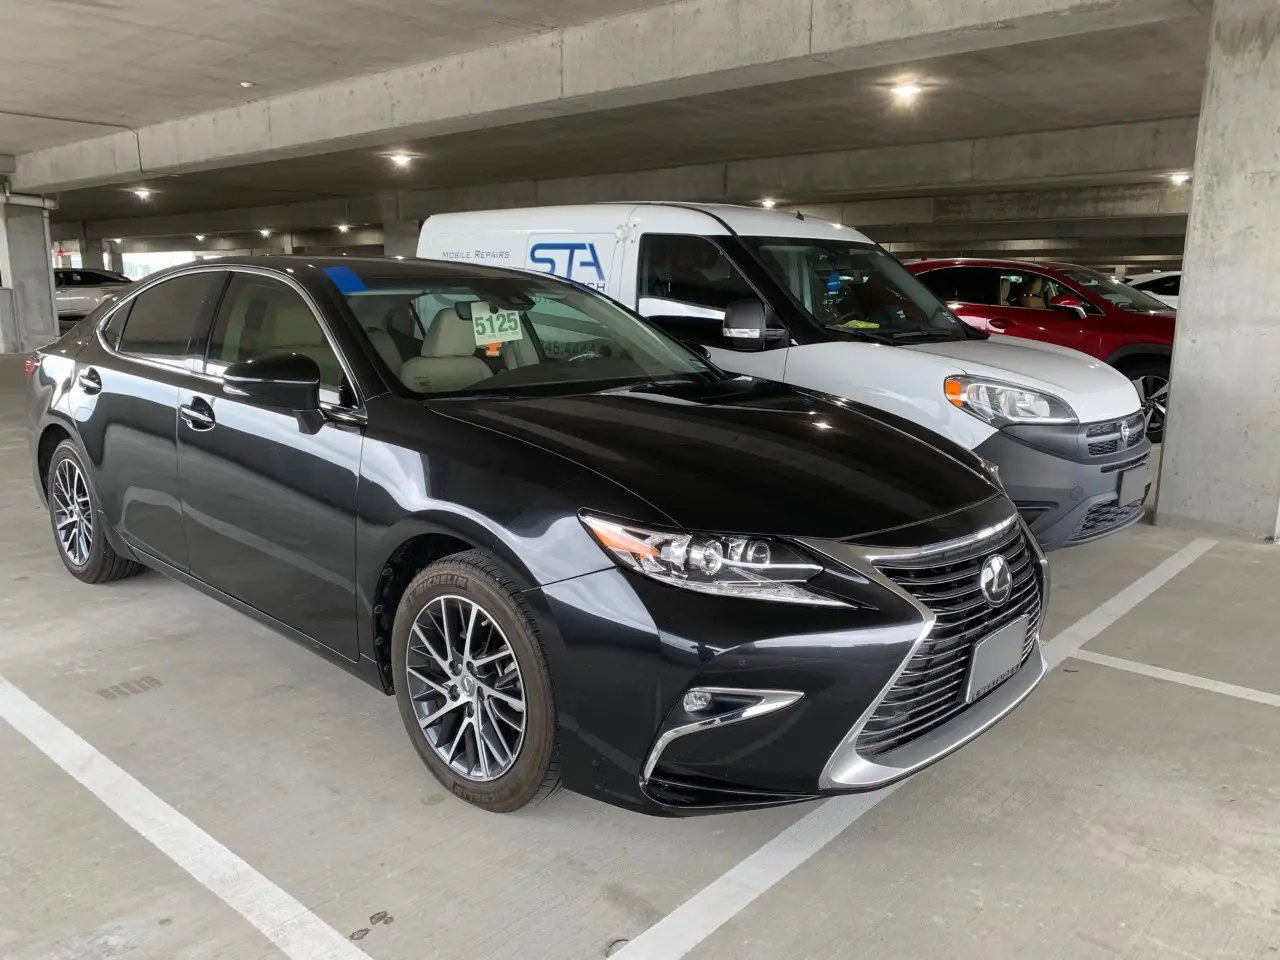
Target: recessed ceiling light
[[246, 84], [200, 237], [343, 227], [768, 203], [399, 256], [1179, 178], [142, 193], [906, 92], [400, 159], [265, 232], [118, 240]]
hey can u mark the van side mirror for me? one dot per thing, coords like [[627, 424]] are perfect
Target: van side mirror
[[751, 325], [1064, 301], [290, 381]]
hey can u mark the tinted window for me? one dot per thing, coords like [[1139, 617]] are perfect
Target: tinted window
[[689, 270], [162, 318], [1118, 294], [89, 278], [260, 316], [1162, 286], [963, 285]]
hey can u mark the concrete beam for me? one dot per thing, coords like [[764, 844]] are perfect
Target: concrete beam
[[676, 49], [7, 164]]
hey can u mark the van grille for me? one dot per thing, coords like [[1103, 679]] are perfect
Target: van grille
[[930, 691]]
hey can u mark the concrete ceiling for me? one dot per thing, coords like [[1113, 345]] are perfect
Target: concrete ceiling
[[1142, 73], [73, 69]]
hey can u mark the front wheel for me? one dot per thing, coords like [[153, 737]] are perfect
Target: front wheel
[[77, 522], [1151, 379], [472, 684]]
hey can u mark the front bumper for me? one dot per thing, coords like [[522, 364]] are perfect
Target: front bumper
[[1067, 495], [804, 686]]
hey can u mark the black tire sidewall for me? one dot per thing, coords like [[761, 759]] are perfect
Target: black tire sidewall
[[467, 576], [92, 567]]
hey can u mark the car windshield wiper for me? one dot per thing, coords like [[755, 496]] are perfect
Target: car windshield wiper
[[928, 335], [863, 334]]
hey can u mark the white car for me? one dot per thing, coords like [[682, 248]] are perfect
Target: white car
[[815, 304], [77, 292], [1163, 285]]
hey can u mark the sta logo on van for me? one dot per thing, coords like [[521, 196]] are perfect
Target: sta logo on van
[[573, 261]]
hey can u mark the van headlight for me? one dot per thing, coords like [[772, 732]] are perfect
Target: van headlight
[[1004, 403], [756, 568]]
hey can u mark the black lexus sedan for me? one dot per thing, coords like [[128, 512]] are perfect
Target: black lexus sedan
[[574, 550]]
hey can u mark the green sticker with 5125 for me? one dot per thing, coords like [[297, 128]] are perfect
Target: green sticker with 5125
[[495, 326]]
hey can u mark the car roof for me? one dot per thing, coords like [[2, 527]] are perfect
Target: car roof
[[389, 268], [989, 262]]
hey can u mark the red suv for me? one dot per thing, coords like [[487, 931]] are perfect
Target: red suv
[[1068, 305]]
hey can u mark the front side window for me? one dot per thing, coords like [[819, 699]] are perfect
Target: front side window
[[855, 288], [507, 335], [161, 319], [1032, 291], [1113, 291], [260, 316], [689, 271]]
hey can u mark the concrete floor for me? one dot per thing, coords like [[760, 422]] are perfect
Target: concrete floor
[[1112, 815]]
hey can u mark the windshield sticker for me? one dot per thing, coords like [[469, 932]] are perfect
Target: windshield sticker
[[495, 327], [833, 282]]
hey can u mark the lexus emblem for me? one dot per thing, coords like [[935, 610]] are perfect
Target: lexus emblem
[[996, 580], [1126, 432]]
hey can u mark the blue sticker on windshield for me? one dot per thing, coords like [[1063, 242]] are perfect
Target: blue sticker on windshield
[[833, 282], [346, 279]]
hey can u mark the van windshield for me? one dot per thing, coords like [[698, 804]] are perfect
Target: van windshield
[[504, 335], [856, 288]]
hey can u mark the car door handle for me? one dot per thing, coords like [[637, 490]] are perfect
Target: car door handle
[[89, 381], [197, 415], [999, 324]]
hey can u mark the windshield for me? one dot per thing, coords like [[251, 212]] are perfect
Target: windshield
[[857, 288], [1118, 294], [509, 336]]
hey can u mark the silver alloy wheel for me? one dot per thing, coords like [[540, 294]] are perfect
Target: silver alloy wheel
[[466, 688], [72, 512], [1153, 392]]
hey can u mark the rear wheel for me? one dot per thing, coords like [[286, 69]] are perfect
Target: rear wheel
[[1151, 379], [77, 522], [472, 684]]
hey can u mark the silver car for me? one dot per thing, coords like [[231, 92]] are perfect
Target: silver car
[[77, 292]]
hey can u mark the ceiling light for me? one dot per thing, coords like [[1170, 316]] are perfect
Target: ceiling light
[[768, 203], [399, 256], [400, 159], [200, 237], [246, 84], [142, 193], [265, 232], [343, 227], [118, 240], [1179, 178], [906, 92]]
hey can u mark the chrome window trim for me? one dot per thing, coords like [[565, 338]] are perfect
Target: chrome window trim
[[767, 701], [846, 769], [188, 364]]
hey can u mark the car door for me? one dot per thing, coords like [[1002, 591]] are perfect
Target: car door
[[125, 391], [684, 284], [269, 509]]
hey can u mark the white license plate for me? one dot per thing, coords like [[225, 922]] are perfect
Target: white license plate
[[1133, 485], [995, 659]]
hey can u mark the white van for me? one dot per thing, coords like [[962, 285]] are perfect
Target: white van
[[815, 304]]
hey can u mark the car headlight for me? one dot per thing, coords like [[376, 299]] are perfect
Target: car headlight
[[1004, 403], [730, 566]]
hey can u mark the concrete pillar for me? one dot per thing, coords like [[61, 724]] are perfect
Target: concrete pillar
[[399, 234], [1221, 464], [113, 258], [91, 250], [27, 315]]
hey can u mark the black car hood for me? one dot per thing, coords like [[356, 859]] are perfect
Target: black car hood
[[742, 456]]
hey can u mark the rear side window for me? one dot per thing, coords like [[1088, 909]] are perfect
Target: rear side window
[[1161, 286], [162, 319], [964, 285]]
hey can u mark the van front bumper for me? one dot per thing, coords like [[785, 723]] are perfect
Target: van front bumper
[[1073, 483]]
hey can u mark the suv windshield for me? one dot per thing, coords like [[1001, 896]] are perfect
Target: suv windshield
[[505, 335], [857, 288], [1117, 294]]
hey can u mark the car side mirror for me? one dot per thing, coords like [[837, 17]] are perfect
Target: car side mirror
[[751, 325], [290, 381], [1064, 301]]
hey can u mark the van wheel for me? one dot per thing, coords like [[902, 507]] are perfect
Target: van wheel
[[472, 684], [77, 521]]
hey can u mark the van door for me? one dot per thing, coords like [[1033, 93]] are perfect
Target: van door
[[586, 258], [684, 283]]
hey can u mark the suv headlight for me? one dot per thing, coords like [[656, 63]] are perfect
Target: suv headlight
[[1004, 403], [730, 565]]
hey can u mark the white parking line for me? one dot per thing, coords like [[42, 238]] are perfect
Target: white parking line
[[714, 905], [298, 932], [1186, 679]]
